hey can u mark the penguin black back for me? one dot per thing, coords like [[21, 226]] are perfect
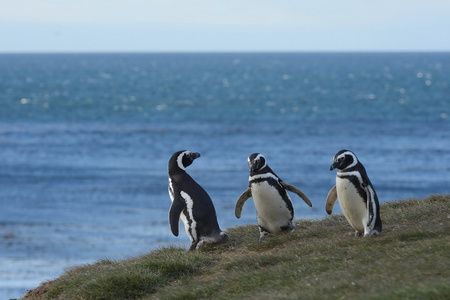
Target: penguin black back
[[191, 202]]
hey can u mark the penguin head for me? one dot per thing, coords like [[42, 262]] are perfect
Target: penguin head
[[256, 162], [344, 159], [182, 159]]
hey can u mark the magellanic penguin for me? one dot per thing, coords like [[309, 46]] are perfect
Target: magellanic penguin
[[191, 203], [274, 210], [357, 197]]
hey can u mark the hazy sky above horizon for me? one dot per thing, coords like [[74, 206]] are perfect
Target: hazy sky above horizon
[[202, 25]]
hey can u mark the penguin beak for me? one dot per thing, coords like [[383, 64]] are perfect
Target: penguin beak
[[334, 166], [195, 155]]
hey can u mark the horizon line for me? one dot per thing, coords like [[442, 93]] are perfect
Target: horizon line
[[229, 52]]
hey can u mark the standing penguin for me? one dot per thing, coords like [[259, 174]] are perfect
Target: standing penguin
[[357, 197], [191, 203], [274, 208]]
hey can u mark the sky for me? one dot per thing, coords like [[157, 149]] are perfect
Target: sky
[[223, 26]]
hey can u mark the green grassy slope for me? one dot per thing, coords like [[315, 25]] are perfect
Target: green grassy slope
[[319, 260]]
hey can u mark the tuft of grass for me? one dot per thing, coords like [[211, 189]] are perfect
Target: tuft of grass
[[319, 260]]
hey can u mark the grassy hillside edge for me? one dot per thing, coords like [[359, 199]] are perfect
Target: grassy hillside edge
[[319, 260]]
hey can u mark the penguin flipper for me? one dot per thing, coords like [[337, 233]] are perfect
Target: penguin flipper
[[296, 190], [331, 200], [247, 194], [370, 211], [174, 215]]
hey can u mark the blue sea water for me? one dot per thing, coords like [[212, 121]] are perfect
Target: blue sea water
[[85, 140]]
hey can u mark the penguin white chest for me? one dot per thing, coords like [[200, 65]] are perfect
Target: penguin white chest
[[273, 212], [352, 204]]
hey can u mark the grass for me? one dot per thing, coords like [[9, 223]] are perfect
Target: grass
[[319, 260]]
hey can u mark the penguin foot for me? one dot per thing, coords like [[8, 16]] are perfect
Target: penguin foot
[[218, 239], [289, 227], [224, 238], [193, 246], [262, 233], [359, 234], [373, 232]]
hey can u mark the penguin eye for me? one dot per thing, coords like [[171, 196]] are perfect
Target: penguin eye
[[341, 158]]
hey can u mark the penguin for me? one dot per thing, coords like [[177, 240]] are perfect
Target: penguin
[[191, 203], [356, 194], [274, 210]]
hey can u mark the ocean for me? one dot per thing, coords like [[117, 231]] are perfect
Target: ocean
[[85, 140]]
